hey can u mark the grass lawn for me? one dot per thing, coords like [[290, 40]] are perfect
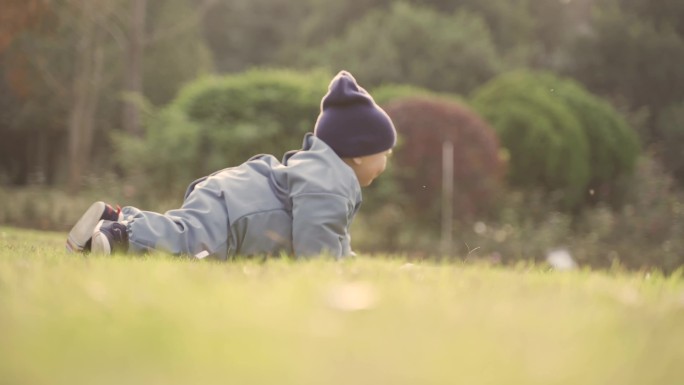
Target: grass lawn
[[67, 319]]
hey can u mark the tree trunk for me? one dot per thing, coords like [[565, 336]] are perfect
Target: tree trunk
[[136, 38], [76, 113], [84, 92]]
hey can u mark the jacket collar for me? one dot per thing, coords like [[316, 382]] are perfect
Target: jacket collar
[[307, 143]]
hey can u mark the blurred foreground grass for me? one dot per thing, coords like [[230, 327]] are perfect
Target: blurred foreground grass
[[161, 320]]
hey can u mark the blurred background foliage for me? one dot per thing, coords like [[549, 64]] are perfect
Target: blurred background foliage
[[567, 116]]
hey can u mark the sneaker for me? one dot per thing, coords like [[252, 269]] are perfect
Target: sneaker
[[109, 237], [80, 235]]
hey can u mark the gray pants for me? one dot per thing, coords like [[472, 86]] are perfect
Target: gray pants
[[199, 228]]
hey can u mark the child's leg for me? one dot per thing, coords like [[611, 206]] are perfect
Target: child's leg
[[200, 226]]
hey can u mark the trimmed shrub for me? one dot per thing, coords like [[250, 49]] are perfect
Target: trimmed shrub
[[218, 122], [423, 124], [560, 136], [613, 145], [166, 160], [259, 111], [547, 145]]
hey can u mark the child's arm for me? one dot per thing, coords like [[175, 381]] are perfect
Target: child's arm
[[319, 224]]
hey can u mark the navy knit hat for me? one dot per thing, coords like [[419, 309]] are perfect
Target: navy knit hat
[[350, 122]]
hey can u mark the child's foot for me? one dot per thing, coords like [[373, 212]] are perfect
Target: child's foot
[[109, 237], [79, 236]]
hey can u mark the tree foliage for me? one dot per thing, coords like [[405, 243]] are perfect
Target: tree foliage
[[620, 57], [247, 33], [523, 31], [165, 70], [17, 17], [65, 85], [451, 53]]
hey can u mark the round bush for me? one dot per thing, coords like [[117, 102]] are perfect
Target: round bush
[[389, 92], [259, 111], [546, 142], [613, 145], [424, 124], [219, 122]]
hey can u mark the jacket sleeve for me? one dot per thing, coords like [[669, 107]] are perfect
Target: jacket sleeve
[[319, 225]]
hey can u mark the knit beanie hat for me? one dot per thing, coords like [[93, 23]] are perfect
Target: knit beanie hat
[[350, 122]]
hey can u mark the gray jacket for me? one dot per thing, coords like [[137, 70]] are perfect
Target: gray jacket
[[302, 206]]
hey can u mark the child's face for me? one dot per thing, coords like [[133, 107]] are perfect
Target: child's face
[[369, 167]]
